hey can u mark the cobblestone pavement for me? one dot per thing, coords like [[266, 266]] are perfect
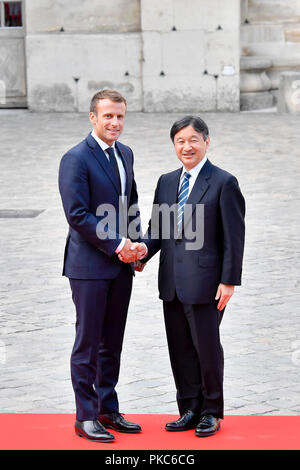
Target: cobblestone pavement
[[260, 330]]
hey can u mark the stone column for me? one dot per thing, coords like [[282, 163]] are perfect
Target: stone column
[[255, 85]]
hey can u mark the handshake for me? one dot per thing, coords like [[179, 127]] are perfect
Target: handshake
[[133, 252]]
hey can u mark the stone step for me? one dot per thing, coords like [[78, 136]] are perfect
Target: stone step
[[256, 100]]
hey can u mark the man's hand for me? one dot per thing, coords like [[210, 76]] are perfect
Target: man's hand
[[138, 266], [224, 293], [132, 251]]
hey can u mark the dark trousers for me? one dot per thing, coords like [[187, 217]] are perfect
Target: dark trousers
[[101, 312], [196, 356]]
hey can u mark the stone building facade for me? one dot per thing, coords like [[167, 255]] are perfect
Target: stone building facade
[[270, 45], [170, 55]]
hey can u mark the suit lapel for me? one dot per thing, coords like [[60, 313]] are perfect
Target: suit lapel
[[173, 186], [200, 187], [102, 160], [172, 194], [125, 162]]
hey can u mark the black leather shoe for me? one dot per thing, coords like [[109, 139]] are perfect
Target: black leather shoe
[[208, 426], [117, 422], [93, 431], [188, 420]]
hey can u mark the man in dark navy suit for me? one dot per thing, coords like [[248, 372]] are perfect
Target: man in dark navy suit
[[97, 188], [201, 246]]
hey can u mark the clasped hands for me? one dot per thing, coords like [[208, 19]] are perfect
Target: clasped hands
[[132, 252]]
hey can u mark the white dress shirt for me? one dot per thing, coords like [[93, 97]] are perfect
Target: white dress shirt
[[194, 172], [122, 173]]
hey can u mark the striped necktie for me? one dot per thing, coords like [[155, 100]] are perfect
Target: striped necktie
[[182, 198]]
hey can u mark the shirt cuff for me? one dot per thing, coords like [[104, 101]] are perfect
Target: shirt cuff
[[119, 247]]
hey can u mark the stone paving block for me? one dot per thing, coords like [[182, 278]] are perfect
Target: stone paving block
[[254, 409]]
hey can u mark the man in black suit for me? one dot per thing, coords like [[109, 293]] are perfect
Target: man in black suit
[[201, 245], [97, 187]]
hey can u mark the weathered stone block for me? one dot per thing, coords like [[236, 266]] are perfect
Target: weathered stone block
[[152, 53], [292, 33], [221, 49], [178, 52], [82, 16], [253, 75], [193, 55], [228, 93], [156, 16], [256, 100], [253, 81], [275, 94], [189, 15], [281, 54], [183, 53], [258, 63], [261, 33], [12, 72], [179, 94], [244, 10], [208, 15], [289, 93], [262, 11], [95, 61]]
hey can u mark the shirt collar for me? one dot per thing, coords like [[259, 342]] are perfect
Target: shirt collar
[[102, 144], [194, 172]]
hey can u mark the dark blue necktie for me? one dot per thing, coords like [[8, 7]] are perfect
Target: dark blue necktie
[[114, 166]]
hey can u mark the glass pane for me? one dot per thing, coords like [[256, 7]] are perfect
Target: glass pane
[[13, 13]]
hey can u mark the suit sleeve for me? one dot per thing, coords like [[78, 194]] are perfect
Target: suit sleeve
[[232, 205], [75, 194]]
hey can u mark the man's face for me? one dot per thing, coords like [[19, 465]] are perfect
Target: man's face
[[108, 121], [190, 146]]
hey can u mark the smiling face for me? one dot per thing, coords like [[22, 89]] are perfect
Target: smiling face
[[108, 120], [190, 146]]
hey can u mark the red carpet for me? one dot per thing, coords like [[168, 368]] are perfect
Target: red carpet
[[56, 432]]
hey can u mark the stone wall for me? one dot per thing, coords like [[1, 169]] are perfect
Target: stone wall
[[164, 56], [64, 71], [82, 16], [186, 47], [75, 48]]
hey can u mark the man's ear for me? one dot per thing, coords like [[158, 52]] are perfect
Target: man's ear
[[93, 117]]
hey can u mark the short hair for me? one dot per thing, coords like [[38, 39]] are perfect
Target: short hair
[[111, 95], [197, 123]]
